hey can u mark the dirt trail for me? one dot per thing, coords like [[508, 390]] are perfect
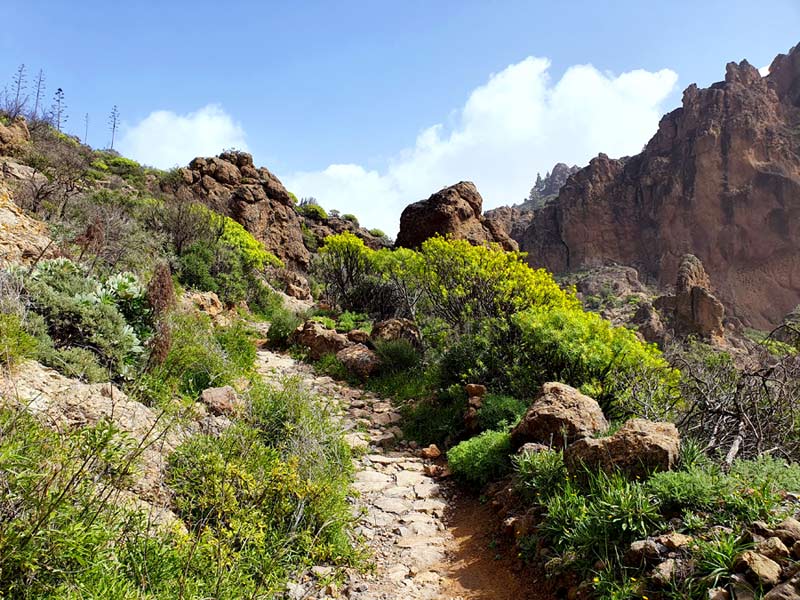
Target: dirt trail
[[428, 541]]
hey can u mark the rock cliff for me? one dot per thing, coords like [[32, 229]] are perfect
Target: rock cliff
[[720, 180]]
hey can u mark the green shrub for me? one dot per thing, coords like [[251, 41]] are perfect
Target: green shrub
[[329, 365], [79, 363], [348, 321], [498, 411], [16, 344], [282, 324], [326, 322], [350, 217], [237, 342], [540, 474], [715, 558], [313, 211], [397, 355], [481, 459], [378, 233]]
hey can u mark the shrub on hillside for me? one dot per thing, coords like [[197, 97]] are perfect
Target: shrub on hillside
[[397, 355], [282, 323], [481, 459], [16, 344], [498, 411]]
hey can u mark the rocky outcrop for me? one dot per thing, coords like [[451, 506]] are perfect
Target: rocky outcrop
[[319, 339], [697, 310], [514, 220], [22, 239], [720, 180], [319, 229], [559, 415], [638, 448], [391, 330], [231, 185], [14, 137], [60, 402], [547, 188], [454, 211]]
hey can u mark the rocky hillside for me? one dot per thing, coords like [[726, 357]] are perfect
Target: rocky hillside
[[720, 180]]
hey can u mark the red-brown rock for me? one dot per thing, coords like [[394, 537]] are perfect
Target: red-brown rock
[[454, 211], [319, 340], [720, 179]]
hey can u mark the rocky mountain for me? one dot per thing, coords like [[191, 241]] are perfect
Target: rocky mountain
[[232, 185], [457, 211], [720, 180], [516, 219], [547, 188]]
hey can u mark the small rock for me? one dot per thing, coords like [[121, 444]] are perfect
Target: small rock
[[475, 390], [718, 593], [431, 452], [758, 568], [790, 590], [674, 540], [321, 572], [642, 552], [773, 548], [220, 400], [788, 530]]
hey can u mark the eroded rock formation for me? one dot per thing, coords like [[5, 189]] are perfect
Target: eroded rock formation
[[720, 180], [231, 184], [455, 211]]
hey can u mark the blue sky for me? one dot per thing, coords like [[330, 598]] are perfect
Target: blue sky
[[371, 105]]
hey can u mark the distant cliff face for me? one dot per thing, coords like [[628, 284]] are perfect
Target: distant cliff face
[[720, 180], [455, 211]]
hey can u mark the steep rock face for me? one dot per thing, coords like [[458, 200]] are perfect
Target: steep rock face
[[514, 220], [454, 211], [720, 180], [22, 239], [231, 185], [697, 311], [322, 228], [14, 137]]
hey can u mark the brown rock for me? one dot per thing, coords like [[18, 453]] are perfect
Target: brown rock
[[642, 552], [559, 415], [788, 531], [773, 548], [638, 448], [430, 452], [720, 180], [671, 570], [231, 185], [790, 590], [22, 238], [475, 390], [454, 211], [758, 568], [396, 329], [221, 400], [674, 540], [319, 340], [14, 137], [358, 336], [697, 311], [718, 593], [359, 359]]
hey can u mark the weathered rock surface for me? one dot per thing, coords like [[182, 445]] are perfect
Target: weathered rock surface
[[359, 359], [697, 310], [231, 184], [638, 448], [221, 400], [14, 137], [391, 330], [319, 339], [559, 415], [22, 238], [455, 211], [720, 180], [758, 568], [62, 402]]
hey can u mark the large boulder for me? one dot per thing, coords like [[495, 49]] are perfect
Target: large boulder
[[359, 359], [720, 179], [559, 415], [454, 211], [232, 185], [638, 448], [22, 238], [392, 330], [319, 339]]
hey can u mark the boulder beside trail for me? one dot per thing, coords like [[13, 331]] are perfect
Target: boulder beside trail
[[559, 415], [638, 448]]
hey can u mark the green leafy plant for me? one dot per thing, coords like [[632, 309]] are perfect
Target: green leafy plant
[[539, 475], [481, 459]]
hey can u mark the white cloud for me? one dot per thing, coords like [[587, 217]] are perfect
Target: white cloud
[[165, 139], [764, 71], [518, 123]]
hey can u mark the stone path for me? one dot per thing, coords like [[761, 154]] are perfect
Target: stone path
[[405, 514]]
